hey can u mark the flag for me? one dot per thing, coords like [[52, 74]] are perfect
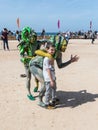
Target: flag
[[90, 25], [18, 23], [58, 24]]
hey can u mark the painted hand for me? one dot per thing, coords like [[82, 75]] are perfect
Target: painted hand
[[74, 58]]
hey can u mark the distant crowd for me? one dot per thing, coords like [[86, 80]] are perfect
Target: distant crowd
[[70, 35]]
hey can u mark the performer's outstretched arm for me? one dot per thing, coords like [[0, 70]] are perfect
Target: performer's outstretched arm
[[62, 65]]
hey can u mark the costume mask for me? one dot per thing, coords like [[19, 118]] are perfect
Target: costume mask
[[59, 41]]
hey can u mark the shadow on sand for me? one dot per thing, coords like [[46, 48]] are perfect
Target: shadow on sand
[[74, 99]]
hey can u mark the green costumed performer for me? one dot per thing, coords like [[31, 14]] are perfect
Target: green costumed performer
[[36, 68], [36, 64], [27, 47]]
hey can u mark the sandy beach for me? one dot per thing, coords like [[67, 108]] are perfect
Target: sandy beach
[[77, 88]]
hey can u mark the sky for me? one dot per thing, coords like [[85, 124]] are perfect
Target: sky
[[74, 15]]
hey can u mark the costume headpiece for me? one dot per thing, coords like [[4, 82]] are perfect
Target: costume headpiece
[[59, 41]]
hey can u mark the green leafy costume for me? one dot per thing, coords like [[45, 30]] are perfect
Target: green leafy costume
[[27, 48]]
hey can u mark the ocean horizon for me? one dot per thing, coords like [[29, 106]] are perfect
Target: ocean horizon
[[47, 33]]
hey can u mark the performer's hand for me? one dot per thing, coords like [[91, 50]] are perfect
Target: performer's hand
[[74, 58]]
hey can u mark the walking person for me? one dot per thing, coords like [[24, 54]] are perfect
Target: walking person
[[4, 37], [43, 34], [18, 35], [93, 38]]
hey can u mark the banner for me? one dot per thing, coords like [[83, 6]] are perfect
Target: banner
[[90, 25], [58, 24], [18, 23]]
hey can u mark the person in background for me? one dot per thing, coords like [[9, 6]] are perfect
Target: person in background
[[4, 37], [93, 38], [43, 34], [18, 36]]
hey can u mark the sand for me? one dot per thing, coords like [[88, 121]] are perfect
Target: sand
[[77, 88]]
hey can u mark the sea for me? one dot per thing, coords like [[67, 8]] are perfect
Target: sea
[[47, 33]]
